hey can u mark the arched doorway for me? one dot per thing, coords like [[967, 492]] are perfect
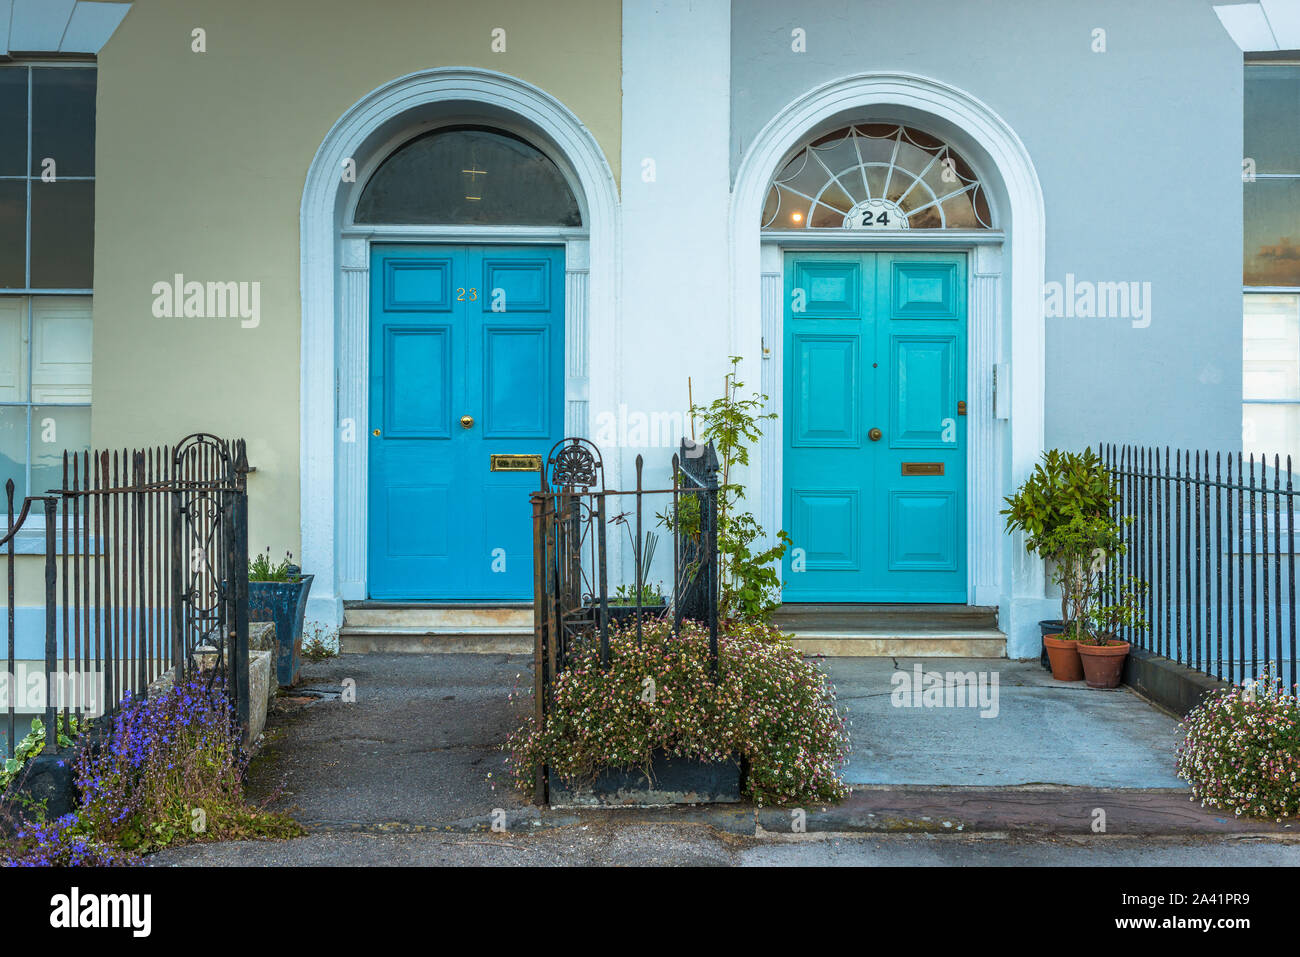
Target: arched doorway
[[466, 360], [873, 358], [369, 239], [998, 260]]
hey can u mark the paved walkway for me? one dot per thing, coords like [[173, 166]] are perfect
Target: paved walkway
[[412, 770], [1037, 730]]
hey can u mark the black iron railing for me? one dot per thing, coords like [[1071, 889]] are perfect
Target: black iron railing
[[145, 571], [1214, 539], [572, 514]]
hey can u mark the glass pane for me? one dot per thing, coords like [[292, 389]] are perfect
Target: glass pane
[[61, 341], [958, 212], [63, 121], [1272, 233], [13, 121], [63, 234], [804, 175], [13, 452], [1271, 347], [468, 176], [13, 234], [55, 428], [1273, 117], [793, 210], [770, 206], [13, 350], [1268, 430]]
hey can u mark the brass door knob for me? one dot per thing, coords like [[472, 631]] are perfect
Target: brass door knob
[[874, 435], [467, 421], [376, 432]]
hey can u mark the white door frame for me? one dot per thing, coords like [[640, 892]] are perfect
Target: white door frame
[[1006, 315], [335, 288]]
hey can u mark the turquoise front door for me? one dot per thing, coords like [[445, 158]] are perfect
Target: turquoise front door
[[875, 428], [466, 362]]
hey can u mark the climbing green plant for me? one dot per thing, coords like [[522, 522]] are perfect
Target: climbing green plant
[[749, 580]]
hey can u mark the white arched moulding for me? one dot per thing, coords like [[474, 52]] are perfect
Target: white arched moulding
[[335, 290], [1006, 316]]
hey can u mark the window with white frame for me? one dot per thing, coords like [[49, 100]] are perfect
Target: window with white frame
[[47, 205], [1271, 282]]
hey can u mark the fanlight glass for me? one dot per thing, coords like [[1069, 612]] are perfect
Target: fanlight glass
[[468, 176], [876, 176]]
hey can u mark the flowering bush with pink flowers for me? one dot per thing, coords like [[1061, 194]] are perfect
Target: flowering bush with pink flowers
[[767, 706], [1241, 750]]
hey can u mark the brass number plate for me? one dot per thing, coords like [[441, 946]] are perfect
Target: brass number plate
[[516, 463], [922, 468]]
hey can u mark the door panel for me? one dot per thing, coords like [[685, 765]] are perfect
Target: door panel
[[459, 331], [923, 382], [875, 341], [825, 407]]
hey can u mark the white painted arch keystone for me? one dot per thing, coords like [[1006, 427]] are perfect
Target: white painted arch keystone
[[326, 521], [1017, 334]]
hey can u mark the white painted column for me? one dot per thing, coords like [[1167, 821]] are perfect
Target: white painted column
[[987, 543], [772, 359], [676, 192], [577, 372], [353, 420], [676, 267]]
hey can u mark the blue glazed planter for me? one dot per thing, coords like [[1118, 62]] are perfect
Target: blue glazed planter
[[284, 603]]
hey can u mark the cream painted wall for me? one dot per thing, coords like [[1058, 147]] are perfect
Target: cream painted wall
[[201, 164]]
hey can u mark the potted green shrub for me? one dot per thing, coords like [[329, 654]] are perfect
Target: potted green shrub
[[277, 591], [1101, 651], [1065, 487], [623, 603]]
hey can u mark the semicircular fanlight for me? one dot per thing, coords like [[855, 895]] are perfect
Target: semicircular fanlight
[[876, 176], [468, 176]]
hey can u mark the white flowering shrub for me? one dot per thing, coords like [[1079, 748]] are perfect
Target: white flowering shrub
[[768, 706], [1241, 750]]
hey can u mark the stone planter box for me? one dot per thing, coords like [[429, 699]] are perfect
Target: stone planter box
[[673, 780], [284, 603]]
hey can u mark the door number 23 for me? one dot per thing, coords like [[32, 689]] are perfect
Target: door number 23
[[466, 295]]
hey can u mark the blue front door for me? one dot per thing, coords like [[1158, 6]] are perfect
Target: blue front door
[[875, 428], [466, 363]]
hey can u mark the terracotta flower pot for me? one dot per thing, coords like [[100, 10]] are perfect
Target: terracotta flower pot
[[1103, 664], [1064, 656]]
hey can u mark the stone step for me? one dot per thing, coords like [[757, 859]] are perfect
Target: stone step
[[424, 628], [912, 631], [431, 617], [488, 641], [908, 618], [888, 630], [943, 643]]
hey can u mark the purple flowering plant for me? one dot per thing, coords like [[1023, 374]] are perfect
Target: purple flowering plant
[[61, 843], [768, 705], [172, 772]]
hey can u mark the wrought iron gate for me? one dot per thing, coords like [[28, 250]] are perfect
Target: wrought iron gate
[[571, 515], [146, 572]]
